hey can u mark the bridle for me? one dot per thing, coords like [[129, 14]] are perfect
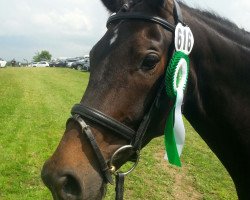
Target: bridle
[[134, 138]]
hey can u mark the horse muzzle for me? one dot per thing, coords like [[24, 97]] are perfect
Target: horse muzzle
[[62, 184]]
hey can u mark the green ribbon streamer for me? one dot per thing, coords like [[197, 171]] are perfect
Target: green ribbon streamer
[[169, 132], [170, 143]]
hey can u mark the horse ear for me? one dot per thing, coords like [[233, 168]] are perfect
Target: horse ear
[[157, 3], [113, 5]]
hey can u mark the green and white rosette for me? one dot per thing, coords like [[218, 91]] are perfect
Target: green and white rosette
[[176, 80]]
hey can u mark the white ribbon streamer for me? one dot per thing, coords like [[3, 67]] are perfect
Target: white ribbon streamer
[[179, 128]]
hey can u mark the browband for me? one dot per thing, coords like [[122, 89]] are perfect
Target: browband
[[140, 16]]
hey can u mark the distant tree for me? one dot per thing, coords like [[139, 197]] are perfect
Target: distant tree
[[43, 55]]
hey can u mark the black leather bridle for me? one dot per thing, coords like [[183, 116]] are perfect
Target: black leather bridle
[[134, 138]]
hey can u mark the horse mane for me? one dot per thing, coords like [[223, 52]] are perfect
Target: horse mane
[[222, 25]]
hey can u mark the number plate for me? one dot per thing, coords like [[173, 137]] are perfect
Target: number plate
[[184, 39]]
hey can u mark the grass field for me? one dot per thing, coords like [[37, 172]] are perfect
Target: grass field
[[34, 106]]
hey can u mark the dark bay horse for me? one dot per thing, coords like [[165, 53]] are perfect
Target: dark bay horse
[[127, 65]]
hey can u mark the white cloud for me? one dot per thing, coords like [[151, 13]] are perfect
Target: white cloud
[[65, 27], [71, 21]]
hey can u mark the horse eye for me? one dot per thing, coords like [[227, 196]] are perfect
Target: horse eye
[[150, 61]]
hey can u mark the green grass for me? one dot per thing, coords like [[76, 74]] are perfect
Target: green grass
[[34, 106]]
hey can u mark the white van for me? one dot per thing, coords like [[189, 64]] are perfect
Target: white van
[[2, 62]]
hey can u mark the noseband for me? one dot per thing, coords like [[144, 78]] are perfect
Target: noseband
[[134, 138]]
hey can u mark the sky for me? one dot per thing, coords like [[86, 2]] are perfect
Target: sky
[[69, 28]]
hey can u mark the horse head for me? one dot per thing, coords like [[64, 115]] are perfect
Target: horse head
[[127, 68]]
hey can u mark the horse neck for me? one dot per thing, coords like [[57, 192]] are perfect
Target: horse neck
[[218, 95]]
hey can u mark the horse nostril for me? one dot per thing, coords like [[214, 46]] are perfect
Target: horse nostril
[[71, 187], [65, 186]]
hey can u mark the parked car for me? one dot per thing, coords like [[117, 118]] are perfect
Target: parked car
[[2, 62], [69, 61], [52, 63], [33, 64], [77, 65], [82, 65], [42, 64], [58, 63], [87, 64], [86, 56]]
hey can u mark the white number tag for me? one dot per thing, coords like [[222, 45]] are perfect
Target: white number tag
[[184, 39]]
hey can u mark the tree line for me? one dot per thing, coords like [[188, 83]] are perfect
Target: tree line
[[43, 55]]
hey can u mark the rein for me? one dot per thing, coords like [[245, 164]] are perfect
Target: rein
[[80, 112]]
